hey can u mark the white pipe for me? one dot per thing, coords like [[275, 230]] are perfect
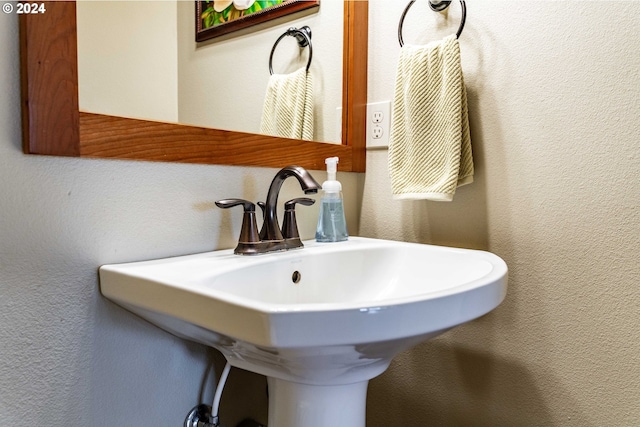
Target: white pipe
[[218, 394]]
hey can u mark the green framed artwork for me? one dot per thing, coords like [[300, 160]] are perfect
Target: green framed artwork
[[217, 17]]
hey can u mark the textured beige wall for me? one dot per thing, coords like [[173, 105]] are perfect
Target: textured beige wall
[[554, 95]]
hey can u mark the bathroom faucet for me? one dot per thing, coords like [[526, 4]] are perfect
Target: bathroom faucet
[[271, 238], [270, 227]]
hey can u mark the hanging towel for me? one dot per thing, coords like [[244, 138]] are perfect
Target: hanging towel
[[288, 106], [429, 145]]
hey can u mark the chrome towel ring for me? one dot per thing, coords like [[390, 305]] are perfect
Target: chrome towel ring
[[437, 6], [302, 35]]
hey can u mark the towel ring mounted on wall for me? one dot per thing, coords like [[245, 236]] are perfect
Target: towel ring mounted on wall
[[437, 6], [302, 35]]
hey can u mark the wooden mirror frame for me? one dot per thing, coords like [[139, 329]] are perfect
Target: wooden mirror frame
[[53, 125]]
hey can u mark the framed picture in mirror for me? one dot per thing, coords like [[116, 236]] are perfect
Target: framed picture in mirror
[[215, 18]]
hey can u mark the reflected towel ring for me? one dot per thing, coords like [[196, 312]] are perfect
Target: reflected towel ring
[[438, 6], [302, 35]]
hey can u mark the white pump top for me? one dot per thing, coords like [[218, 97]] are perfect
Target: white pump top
[[331, 185]]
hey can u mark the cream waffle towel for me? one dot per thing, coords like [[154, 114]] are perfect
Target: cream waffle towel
[[288, 106], [429, 145]]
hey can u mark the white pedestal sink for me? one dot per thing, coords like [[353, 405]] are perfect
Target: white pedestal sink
[[318, 322]]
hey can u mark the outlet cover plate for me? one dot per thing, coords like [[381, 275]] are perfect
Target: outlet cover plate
[[382, 113]]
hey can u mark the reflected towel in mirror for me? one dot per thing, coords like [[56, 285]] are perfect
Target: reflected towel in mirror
[[288, 106]]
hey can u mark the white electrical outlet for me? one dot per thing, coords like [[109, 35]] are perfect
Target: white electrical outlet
[[378, 124], [377, 132]]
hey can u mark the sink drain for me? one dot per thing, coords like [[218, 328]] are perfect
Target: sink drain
[[296, 276]]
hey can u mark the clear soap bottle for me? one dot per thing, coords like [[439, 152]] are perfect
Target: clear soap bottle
[[332, 226]]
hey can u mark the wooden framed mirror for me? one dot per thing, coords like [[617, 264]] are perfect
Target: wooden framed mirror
[[53, 125]]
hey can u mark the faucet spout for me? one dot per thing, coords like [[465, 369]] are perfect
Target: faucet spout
[[270, 228]]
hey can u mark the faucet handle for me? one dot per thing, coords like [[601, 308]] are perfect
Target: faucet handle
[[289, 224], [263, 208], [291, 204], [249, 238], [229, 203]]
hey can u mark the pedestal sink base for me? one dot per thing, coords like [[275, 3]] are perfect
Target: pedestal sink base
[[294, 404]]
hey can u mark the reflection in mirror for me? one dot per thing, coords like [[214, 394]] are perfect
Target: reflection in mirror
[[140, 60], [52, 124]]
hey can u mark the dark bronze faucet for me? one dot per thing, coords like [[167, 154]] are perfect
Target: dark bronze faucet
[[271, 237]]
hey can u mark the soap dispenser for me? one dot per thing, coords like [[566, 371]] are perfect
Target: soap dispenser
[[332, 226]]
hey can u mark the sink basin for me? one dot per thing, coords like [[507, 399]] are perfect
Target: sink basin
[[318, 322]]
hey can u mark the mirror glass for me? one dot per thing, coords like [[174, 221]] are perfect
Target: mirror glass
[[139, 59]]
